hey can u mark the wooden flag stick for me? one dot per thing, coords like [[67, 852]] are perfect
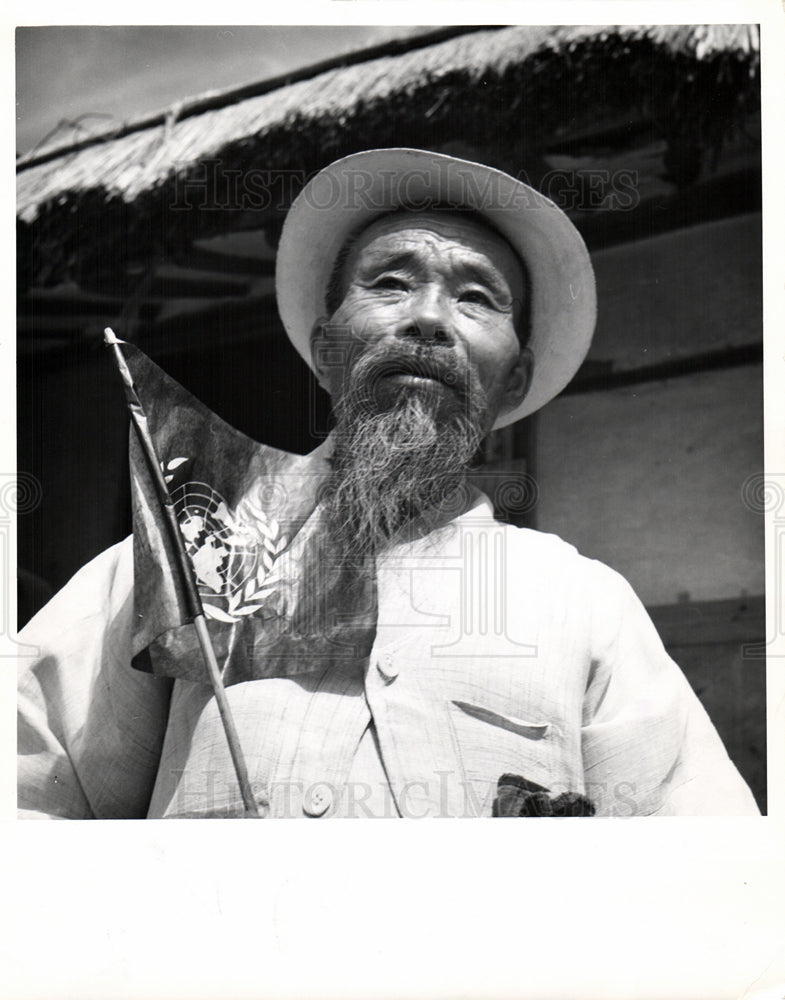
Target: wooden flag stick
[[240, 768], [185, 573]]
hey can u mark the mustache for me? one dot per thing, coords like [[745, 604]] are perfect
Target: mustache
[[437, 364]]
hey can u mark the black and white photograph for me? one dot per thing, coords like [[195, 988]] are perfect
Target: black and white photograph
[[391, 443]]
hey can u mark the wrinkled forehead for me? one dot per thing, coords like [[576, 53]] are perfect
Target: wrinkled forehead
[[464, 232]]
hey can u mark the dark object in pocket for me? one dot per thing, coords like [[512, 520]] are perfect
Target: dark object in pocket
[[515, 796]]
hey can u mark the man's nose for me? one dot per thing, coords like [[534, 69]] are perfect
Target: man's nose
[[427, 318]]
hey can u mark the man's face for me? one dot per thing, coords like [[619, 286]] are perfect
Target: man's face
[[432, 293]]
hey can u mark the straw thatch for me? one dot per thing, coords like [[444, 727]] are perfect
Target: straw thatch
[[510, 91]]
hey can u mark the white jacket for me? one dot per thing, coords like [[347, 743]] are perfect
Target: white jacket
[[498, 650]]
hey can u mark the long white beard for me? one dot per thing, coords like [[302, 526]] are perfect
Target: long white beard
[[392, 464]]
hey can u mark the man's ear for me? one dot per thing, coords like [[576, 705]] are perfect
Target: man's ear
[[519, 381], [319, 351]]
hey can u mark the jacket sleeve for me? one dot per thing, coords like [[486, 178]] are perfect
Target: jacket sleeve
[[649, 747], [90, 727]]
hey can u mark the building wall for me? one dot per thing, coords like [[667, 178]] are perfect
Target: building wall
[[650, 476], [650, 479]]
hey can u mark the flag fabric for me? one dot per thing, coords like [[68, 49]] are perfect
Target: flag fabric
[[277, 599]]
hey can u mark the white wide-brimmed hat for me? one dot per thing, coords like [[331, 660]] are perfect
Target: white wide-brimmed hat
[[349, 194]]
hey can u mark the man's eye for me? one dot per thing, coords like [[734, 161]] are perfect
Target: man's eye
[[475, 296], [388, 282]]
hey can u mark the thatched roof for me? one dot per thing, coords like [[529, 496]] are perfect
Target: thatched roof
[[512, 91]]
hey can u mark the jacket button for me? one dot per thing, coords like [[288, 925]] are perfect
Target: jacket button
[[318, 800], [387, 667]]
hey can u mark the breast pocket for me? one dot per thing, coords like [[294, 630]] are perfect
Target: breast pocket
[[531, 730], [490, 742]]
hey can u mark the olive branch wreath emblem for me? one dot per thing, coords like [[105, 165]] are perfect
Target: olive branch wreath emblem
[[233, 553]]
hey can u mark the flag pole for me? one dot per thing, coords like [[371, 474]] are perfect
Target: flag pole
[[185, 572]]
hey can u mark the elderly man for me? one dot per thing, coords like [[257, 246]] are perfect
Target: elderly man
[[458, 667]]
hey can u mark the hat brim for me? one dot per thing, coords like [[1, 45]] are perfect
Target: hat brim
[[349, 194]]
